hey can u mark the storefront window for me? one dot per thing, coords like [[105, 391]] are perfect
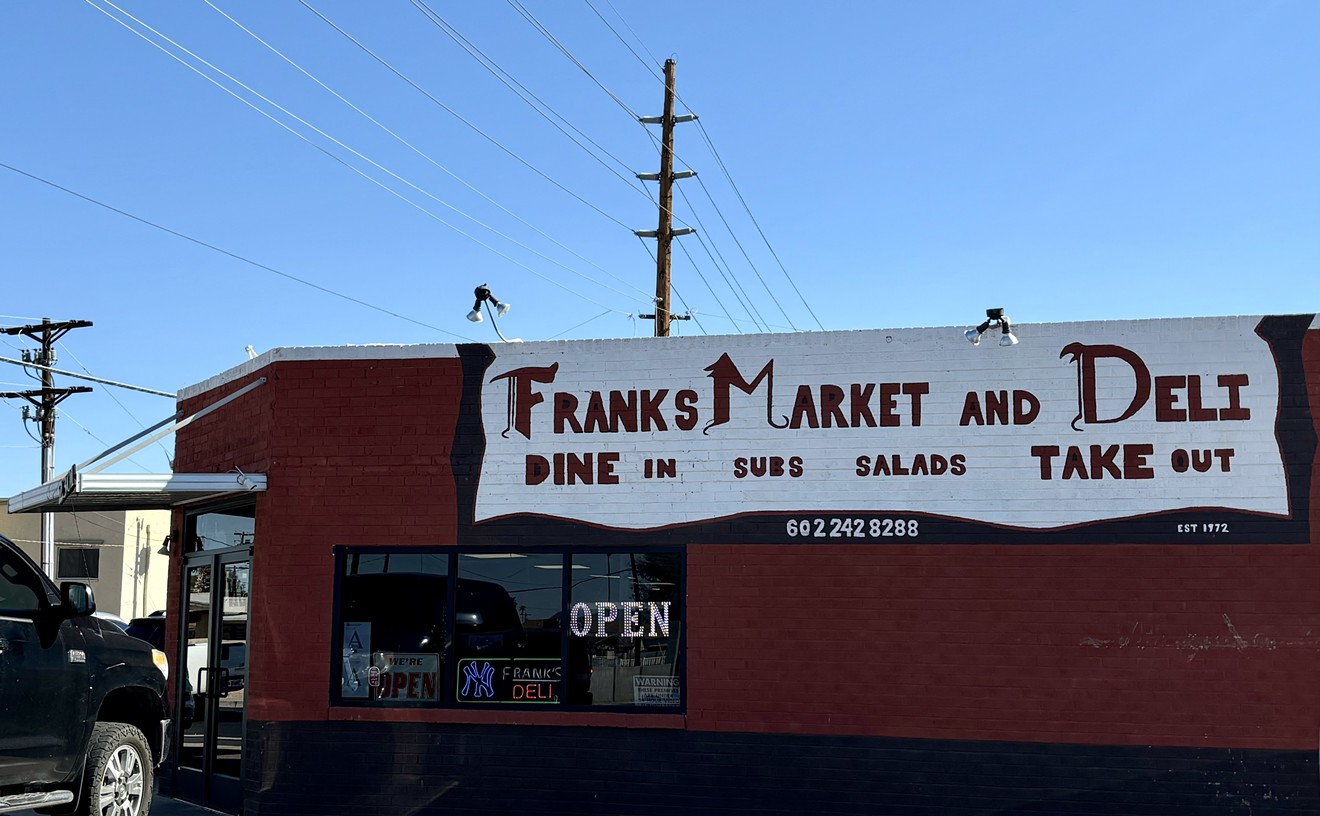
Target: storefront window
[[507, 634], [392, 612], [449, 628], [624, 614]]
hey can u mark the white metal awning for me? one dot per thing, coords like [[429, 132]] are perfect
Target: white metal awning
[[126, 491], [85, 487]]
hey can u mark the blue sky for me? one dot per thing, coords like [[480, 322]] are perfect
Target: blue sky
[[909, 164]]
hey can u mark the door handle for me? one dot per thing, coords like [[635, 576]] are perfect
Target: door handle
[[222, 675], [4, 645]]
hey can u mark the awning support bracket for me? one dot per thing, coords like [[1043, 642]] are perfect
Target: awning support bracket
[[173, 423]]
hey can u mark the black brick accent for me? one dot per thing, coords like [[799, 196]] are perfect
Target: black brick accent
[[365, 769]]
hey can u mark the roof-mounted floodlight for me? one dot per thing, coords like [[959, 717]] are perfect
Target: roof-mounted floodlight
[[993, 317], [483, 295]]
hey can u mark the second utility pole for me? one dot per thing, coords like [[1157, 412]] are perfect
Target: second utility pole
[[665, 231], [44, 401]]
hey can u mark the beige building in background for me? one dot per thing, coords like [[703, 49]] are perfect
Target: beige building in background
[[117, 552]]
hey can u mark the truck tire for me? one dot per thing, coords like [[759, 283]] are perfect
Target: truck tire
[[118, 777]]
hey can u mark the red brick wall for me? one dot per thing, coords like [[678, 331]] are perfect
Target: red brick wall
[[1170, 644], [1154, 645], [356, 452], [235, 436]]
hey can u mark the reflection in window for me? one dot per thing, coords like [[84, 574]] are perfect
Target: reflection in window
[[507, 628], [531, 628], [218, 531], [392, 613], [20, 588], [625, 614]]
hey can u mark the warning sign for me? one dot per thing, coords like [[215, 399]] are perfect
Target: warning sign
[[655, 691]]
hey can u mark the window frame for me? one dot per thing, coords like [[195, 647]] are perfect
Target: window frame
[[448, 656]]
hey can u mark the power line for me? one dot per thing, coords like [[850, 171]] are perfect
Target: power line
[[665, 209], [730, 279], [578, 326], [332, 156], [693, 261], [545, 32], [679, 295], [654, 73], [459, 117], [44, 402], [69, 417], [734, 236], [725, 273], [748, 258], [714, 152], [428, 158], [701, 128], [118, 402], [522, 91], [233, 255], [88, 376]]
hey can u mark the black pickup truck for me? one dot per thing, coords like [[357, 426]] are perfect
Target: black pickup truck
[[83, 717]]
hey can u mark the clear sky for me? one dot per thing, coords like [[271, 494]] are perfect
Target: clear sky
[[906, 164]]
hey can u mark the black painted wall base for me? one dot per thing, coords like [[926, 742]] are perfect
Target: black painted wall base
[[364, 769]]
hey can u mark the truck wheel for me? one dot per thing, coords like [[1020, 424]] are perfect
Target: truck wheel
[[118, 779]]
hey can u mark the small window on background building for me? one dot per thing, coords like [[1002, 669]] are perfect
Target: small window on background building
[[78, 563]]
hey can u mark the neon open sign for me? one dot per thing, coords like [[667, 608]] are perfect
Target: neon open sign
[[628, 614]]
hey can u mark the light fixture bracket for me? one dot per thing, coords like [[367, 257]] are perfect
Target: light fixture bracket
[[993, 317]]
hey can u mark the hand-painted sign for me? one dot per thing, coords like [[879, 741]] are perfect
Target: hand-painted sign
[[881, 432]]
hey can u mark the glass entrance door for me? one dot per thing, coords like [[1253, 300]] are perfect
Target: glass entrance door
[[213, 660]]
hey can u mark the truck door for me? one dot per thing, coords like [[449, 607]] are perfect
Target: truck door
[[43, 679]]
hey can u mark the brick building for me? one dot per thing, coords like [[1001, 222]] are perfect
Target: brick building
[[854, 572]]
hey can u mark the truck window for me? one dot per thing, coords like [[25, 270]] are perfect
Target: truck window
[[18, 587]]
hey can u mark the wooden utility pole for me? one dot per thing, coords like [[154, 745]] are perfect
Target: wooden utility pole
[[663, 235], [665, 232], [44, 402]]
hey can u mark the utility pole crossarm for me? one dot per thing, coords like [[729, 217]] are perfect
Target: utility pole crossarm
[[44, 397], [47, 333]]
